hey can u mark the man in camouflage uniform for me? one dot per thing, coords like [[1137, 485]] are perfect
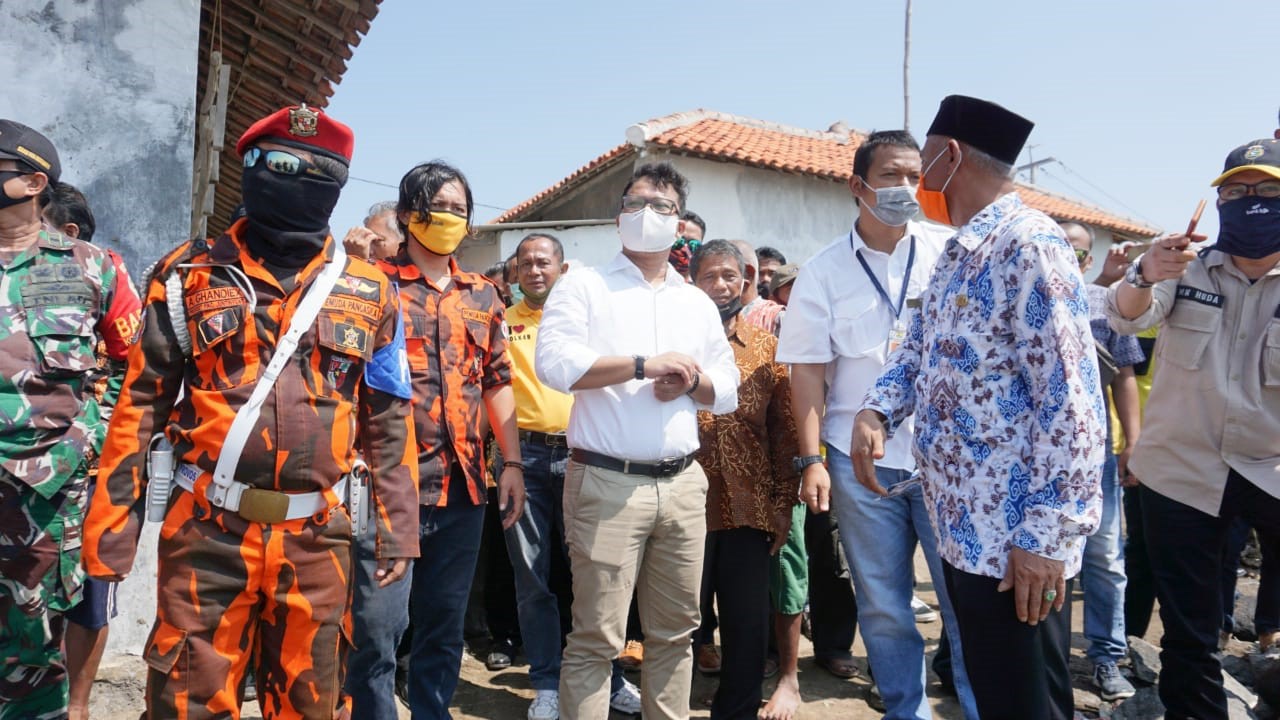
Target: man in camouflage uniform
[[266, 578], [60, 297]]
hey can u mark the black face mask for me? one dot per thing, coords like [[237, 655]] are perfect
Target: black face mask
[[763, 290], [729, 309], [288, 215], [5, 200]]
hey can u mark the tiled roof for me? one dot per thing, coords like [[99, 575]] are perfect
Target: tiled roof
[[824, 154]]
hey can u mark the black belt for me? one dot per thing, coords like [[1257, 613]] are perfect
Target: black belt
[[663, 468], [540, 438]]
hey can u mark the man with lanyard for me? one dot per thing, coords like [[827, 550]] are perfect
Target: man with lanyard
[[838, 334], [642, 352], [255, 548], [62, 297], [1208, 452], [998, 368]]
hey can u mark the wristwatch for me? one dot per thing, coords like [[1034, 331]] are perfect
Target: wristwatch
[[1133, 274], [639, 366], [800, 463]]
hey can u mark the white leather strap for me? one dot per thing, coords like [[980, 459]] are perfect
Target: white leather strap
[[303, 316], [301, 505]]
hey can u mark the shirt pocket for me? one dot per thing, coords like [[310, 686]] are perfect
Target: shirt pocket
[[220, 362], [856, 328], [63, 337], [1271, 356], [1191, 326], [477, 348], [345, 344]]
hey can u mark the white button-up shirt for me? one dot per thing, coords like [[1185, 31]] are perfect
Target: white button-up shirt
[[593, 313], [836, 317]]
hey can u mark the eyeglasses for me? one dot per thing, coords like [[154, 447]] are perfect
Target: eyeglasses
[[1235, 191], [693, 245], [280, 162], [660, 205], [1081, 255]]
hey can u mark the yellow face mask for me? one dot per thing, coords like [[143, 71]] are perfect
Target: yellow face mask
[[439, 232]]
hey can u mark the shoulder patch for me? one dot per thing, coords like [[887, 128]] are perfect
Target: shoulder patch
[[362, 288]]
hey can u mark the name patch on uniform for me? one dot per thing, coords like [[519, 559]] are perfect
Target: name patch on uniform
[[1204, 297], [217, 326], [353, 306], [476, 316], [213, 298], [46, 273], [351, 337], [360, 287]]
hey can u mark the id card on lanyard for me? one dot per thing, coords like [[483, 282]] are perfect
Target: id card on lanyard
[[899, 332]]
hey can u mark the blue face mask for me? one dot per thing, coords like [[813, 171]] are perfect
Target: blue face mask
[[894, 205], [1249, 227]]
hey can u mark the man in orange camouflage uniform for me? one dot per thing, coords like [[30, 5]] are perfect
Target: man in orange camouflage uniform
[[457, 346], [261, 583]]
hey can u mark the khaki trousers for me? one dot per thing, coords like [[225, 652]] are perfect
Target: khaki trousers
[[628, 532]]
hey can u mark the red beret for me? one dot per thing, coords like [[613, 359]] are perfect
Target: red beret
[[302, 125]]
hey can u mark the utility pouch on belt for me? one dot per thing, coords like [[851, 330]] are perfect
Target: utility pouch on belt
[[159, 477], [359, 498]]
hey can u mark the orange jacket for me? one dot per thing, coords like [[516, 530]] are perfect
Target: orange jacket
[[305, 437]]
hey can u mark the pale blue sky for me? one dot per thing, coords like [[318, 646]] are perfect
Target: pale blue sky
[[1141, 98]]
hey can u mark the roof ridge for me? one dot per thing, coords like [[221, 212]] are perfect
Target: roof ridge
[[1084, 203], [642, 132]]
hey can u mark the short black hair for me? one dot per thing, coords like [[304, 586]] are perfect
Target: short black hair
[[662, 175], [764, 252], [555, 243], [64, 203], [881, 138], [497, 271], [693, 217], [420, 184], [713, 248]]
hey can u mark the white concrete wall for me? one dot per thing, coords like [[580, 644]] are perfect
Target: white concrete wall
[[112, 83]]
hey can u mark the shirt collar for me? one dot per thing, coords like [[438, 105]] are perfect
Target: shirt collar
[[981, 225], [913, 230], [622, 264], [51, 239], [407, 270]]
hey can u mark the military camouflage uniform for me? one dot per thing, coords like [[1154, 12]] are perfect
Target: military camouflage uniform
[[231, 589], [60, 298]]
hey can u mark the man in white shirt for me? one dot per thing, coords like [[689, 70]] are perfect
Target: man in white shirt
[[848, 309], [642, 351]]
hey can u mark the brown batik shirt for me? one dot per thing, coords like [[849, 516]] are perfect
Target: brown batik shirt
[[747, 454]]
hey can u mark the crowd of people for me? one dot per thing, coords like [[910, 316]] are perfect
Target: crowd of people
[[673, 462]]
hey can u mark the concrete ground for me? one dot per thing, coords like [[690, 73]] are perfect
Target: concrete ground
[[505, 695]]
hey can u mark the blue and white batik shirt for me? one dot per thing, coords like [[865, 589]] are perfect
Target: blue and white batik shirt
[[999, 369]]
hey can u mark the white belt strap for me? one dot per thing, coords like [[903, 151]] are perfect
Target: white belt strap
[[304, 315], [300, 505]]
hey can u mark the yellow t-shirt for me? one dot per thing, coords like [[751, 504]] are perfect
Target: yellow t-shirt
[[1144, 389], [538, 407]]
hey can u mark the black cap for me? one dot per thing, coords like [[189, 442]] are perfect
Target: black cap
[[984, 125], [21, 143], [1261, 155]]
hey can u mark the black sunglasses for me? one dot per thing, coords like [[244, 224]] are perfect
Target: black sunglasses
[[281, 162]]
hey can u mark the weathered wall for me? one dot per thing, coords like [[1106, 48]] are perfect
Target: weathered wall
[[112, 83]]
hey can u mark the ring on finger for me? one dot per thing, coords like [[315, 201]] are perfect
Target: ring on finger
[[1050, 595]]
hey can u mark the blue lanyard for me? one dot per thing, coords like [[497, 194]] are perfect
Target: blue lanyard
[[875, 282]]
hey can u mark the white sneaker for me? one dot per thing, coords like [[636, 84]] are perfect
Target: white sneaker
[[922, 611], [546, 705], [626, 699]]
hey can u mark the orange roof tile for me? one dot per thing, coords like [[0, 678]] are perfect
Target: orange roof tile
[[823, 154]]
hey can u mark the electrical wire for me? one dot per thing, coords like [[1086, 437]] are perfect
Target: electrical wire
[[397, 187]]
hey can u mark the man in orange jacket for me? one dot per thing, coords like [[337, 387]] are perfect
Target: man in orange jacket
[[256, 562]]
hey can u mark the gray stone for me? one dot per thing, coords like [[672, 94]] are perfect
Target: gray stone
[[1238, 691], [1145, 705], [1240, 668], [1146, 660], [1087, 700]]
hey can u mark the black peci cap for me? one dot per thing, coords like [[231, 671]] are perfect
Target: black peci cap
[[982, 124], [21, 143]]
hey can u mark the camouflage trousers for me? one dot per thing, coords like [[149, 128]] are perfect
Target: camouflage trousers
[[40, 579], [230, 591]]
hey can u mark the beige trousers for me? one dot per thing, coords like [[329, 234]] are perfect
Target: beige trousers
[[628, 532]]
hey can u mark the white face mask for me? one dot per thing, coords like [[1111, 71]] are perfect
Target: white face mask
[[646, 231]]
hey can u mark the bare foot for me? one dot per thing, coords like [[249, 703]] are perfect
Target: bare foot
[[785, 700]]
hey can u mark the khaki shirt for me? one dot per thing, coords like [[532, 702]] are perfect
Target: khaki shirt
[[1215, 401]]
